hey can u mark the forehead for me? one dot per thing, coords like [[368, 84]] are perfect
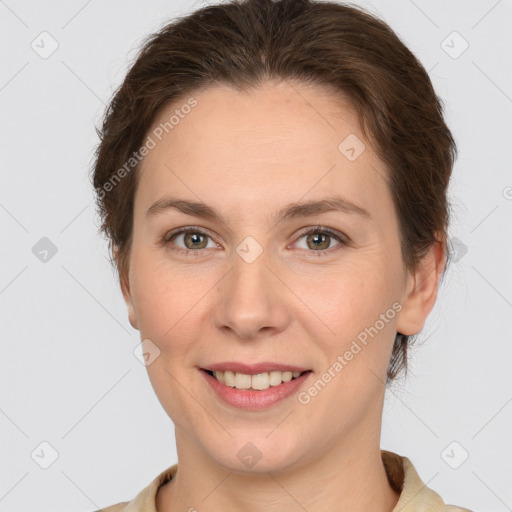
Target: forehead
[[277, 142]]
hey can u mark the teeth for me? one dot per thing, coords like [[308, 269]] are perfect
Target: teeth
[[259, 381]]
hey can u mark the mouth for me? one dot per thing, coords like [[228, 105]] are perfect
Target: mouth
[[254, 382]]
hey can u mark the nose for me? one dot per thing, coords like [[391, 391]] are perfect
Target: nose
[[252, 300]]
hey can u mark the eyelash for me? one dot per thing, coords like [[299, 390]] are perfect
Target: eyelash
[[312, 230]]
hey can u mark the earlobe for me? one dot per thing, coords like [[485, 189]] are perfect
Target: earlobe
[[124, 283], [421, 291], [125, 289]]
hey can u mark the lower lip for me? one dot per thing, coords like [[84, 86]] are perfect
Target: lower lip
[[255, 400]]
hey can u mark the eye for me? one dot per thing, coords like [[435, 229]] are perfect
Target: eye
[[320, 238], [194, 240]]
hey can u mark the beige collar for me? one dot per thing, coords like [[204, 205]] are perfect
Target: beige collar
[[415, 496]]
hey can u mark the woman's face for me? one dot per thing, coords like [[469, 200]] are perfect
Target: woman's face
[[252, 286]]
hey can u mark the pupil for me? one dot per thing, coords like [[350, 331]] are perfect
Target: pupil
[[318, 239], [194, 238]]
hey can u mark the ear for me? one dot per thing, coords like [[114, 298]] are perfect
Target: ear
[[421, 290], [125, 289]]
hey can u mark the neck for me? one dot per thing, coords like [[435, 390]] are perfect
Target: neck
[[348, 477]]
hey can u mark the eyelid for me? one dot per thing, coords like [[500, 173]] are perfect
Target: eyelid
[[340, 237], [169, 236], [333, 233], [324, 229]]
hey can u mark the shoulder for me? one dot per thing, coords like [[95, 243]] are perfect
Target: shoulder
[[415, 496], [145, 501], [114, 508]]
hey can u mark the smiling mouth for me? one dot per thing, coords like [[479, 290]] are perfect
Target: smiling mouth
[[259, 382]]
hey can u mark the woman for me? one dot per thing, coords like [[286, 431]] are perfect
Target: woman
[[272, 178]]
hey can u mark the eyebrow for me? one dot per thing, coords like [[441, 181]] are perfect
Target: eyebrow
[[290, 211]]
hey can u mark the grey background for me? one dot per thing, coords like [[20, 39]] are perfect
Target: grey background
[[68, 375]]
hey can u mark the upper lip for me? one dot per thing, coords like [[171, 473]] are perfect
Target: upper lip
[[253, 369]]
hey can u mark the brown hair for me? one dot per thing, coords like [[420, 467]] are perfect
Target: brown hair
[[245, 42]]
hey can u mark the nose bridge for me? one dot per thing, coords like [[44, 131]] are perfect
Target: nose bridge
[[251, 298], [250, 271], [250, 261]]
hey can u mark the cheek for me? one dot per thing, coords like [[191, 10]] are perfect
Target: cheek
[[173, 307], [356, 305], [161, 297], [346, 298]]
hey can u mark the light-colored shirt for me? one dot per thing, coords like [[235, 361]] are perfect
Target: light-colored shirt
[[415, 496]]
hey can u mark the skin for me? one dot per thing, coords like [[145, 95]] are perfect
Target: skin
[[249, 154]]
